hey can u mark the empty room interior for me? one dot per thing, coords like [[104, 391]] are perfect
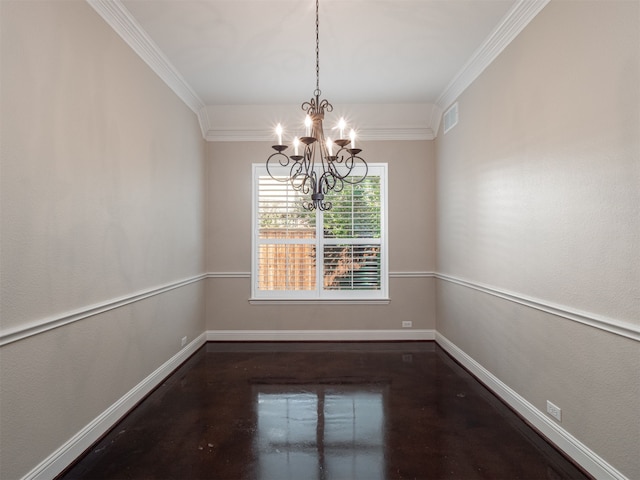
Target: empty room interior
[[501, 140]]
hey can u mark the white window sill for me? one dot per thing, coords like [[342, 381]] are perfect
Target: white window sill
[[319, 301]]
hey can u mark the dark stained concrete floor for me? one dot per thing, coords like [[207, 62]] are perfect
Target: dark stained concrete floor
[[305, 411]]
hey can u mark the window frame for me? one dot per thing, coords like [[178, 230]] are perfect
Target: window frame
[[320, 294]]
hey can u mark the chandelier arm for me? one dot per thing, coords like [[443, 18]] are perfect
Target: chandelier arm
[[283, 161], [351, 162], [340, 163], [325, 105], [331, 173], [325, 206], [294, 173], [326, 182], [309, 181], [333, 167]]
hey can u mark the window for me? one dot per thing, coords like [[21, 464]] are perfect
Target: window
[[338, 254]]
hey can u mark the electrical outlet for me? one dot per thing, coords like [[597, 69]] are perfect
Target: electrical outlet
[[407, 324], [184, 341], [554, 411]]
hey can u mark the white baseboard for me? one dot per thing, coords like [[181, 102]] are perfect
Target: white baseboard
[[64, 456], [318, 335], [60, 459], [571, 446]]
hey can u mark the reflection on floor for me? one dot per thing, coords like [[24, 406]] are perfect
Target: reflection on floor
[[276, 411], [325, 431]]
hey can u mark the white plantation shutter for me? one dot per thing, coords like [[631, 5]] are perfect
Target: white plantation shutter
[[286, 243], [352, 238], [352, 267], [356, 211], [336, 254]]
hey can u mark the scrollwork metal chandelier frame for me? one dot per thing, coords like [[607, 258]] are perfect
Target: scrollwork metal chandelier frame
[[318, 170]]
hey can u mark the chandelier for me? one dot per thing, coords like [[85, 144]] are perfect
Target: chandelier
[[318, 164]]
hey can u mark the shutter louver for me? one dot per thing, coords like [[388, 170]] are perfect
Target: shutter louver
[[352, 267]]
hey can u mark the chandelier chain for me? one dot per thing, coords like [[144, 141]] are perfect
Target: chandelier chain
[[317, 47]]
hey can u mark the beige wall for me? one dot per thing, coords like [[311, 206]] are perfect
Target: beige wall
[[538, 194], [411, 244], [103, 181], [102, 197]]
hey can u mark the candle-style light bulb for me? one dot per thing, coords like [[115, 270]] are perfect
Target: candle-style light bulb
[[296, 142], [330, 147], [307, 124], [341, 125], [353, 138], [279, 133]]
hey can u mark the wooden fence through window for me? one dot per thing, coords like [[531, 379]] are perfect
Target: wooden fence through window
[[287, 266]]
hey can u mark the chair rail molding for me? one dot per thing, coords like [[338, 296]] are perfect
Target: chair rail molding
[[566, 442], [393, 274], [611, 325], [36, 327], [21, 332]]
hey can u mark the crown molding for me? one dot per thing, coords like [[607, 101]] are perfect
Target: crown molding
[[237, 135], [391, 133], [262, 135], [248, 123], [417, 122], [124, 24], [511, 25], [204, 121]]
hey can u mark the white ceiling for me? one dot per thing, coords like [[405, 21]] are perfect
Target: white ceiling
[[262, 52]]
